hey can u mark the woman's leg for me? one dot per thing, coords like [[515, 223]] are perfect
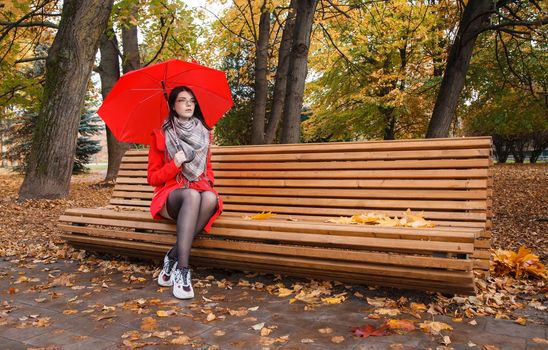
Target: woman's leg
[[208, 205], [184, 205]]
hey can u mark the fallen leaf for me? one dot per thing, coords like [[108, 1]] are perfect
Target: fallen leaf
[[521, 320], [261, 216], [404, 325], [284, 292], [165, 313], [491, 347], [181, 340], [434, 327], [337, 339], [325, 330], [265, 331], [370, 331], [148, 324], [258, 326], [446, 340], [388, 312]]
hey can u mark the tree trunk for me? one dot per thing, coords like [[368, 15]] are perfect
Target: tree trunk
[[501, 145], [130, 58], [68, 68], [539, 142], [280, 85], [109, 71], [475, 17], [518, 147], [261, 83], [291, 132]]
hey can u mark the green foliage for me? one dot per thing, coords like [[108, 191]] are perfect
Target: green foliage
[[235, 127], [19, 140]]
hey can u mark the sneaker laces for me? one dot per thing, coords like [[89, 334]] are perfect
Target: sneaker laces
[[186, 276], [168, 264]]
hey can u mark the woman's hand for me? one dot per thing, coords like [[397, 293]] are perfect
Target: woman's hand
[[179, 158]]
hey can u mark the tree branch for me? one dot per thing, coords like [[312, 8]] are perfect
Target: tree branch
[[509, 23], [20, 20], [31, 59], [30, 24]]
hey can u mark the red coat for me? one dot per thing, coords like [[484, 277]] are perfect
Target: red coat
[[162, 175]]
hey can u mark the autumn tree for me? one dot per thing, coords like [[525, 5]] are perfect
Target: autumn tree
[[375, 66], [68, 67], [479, 16]]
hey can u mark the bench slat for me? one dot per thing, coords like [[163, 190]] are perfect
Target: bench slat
[[156, 251], [340, 165], [314, 252], [146, 192]]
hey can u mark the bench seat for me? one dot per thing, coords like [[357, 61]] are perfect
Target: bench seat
[[305, 185]]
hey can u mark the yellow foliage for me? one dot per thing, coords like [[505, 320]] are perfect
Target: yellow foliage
[[524, 262], [408, 219]]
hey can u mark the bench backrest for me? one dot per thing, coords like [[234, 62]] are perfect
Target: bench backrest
[[449, 179]]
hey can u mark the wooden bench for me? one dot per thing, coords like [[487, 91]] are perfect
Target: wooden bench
[[307, 184]]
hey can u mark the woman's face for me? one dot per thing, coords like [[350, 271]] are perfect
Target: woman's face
[[185, 104]]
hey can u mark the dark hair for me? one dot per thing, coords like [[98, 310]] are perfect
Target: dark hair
[[171, 103]]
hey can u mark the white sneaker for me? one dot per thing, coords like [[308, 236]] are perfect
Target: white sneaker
[[165, 278], [182, 286]]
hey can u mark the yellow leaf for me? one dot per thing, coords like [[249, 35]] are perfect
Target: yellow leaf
[[521, 320], [434, 327], [211, 317], [70, 312], [262, 215], [388, 312], [337, 339], [284, 292], [334, 300], [341, 220], [365, 218], [181, 340], [405, 325], [165, 313], [416, 307]]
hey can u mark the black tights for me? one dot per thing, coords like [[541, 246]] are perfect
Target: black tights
[[191, 210]]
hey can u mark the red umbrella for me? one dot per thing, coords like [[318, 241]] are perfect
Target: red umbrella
[[138, 101]]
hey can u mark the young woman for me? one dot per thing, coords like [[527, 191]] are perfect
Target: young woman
[[179, 167]]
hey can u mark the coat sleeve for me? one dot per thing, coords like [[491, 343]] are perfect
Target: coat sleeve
[[159, 172], [209, 169]]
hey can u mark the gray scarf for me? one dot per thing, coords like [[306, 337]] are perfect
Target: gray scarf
[[191, 137]]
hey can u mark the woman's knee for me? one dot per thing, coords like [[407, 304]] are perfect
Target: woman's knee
[[191, 195], [209, 199]]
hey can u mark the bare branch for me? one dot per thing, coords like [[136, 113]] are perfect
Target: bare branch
[[539, 22], [22, 19], [338, 9], [31, 59], [30, 24], [227, 28]]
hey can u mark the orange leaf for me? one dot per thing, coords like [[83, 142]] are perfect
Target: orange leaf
[[370, 331], [404, 325]]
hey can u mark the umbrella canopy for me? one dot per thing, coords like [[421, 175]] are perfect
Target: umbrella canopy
[[137, 103]]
